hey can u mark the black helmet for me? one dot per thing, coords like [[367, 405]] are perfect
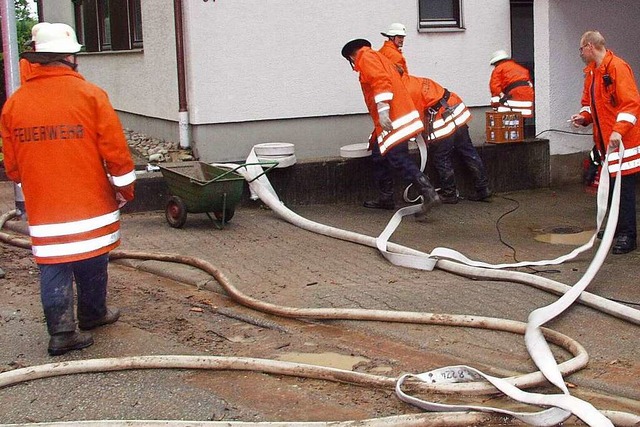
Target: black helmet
[[352, 46]]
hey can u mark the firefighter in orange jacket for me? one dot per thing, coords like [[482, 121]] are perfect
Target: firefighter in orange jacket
[[446, 130], [445, 120], [610, 101], [511, 88], [64, 143], [396, 120], [392, 47]]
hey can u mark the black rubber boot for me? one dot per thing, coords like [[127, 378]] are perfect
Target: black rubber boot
[[481, 195], [385, 201], [112, 316], [480, 182], [430, 198], [380, 204], [448, 198], [67, 341], [448, 191], [624, 244]]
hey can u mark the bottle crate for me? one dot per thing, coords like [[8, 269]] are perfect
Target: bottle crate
[[504, 127]]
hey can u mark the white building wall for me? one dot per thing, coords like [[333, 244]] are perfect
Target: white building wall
[[260, 70], [257, 60], [58, 11], [559, 24], [144, 81]]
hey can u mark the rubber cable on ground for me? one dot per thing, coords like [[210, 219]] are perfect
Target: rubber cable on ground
[[563, 131], [513, 249]]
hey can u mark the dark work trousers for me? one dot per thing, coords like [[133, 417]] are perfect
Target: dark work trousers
[[627, 216], [442, 152], [395, 158], [56, 292]]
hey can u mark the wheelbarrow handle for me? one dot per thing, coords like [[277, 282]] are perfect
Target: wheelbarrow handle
[[269, 164]]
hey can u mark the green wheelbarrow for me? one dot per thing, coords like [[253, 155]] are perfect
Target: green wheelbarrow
[[198, 187]]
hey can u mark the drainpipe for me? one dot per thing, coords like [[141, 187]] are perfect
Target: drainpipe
[[11, 71], [183, 112]]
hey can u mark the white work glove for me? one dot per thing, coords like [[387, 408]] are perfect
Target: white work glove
[[383, 115], [121, 200]]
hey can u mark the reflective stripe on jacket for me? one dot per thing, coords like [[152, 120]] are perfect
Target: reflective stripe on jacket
[[380, 82], [391, 51], [440, 121], [614, 106], [521, 98], [61, 140]]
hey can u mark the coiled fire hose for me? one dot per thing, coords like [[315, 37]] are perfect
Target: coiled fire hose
[[550, 416]]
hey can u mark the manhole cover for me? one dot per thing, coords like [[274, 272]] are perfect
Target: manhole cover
[[564, 229]]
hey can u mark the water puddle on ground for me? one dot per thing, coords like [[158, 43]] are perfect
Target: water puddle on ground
[[331, 360], [575, 239]]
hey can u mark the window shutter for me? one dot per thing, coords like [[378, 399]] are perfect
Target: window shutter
[[119, 14], [90, 26]]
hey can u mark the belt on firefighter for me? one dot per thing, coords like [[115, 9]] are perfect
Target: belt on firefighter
[[514, 85], [433, 109], [441, 103]]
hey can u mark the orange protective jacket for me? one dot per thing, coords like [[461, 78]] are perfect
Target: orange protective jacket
[[391, 51], [520, 98], [441, 113], [381, 82], [25, 69], [62, 139], [612, 104]]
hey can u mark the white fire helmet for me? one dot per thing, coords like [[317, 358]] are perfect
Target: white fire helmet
[[30, 43], [395, 29], [499, 55], [55, 38]]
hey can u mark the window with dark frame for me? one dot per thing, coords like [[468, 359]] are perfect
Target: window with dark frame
[[440, 14], [108, 25]]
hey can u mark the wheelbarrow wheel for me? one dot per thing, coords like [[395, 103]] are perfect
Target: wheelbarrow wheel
[[228, 214], [176, 212]]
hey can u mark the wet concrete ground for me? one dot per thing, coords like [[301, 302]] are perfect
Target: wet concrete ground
[[274, 261]]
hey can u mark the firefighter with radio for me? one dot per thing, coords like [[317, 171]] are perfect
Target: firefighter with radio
[[611, 102], [64, 143]]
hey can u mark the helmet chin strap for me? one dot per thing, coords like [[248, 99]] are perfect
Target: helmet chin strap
[[50, 58], [73, 65]]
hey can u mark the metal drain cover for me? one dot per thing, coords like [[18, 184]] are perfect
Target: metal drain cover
[[564, 229]]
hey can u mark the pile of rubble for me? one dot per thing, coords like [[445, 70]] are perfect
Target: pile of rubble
[[155, 150]]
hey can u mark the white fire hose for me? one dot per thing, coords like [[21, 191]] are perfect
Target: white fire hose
[[563, 405], [455, 379]]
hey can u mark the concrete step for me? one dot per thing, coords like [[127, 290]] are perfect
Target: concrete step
[[510, 167]]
